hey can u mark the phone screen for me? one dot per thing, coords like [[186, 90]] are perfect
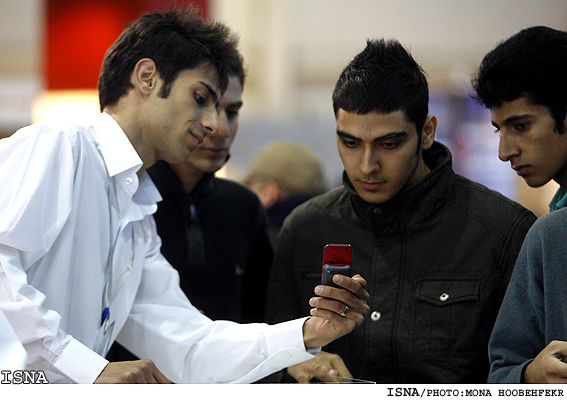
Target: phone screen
[[340, 254], [337, 259]]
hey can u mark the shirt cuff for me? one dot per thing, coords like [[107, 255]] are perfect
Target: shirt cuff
[[285, 348], [79, 363], [285, 335]]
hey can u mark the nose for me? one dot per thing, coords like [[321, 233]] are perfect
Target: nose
[[507, 148], [210, 121], [223, 131], [369, 162]]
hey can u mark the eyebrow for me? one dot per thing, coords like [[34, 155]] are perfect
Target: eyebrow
[[511, 120], [235, 104], [388, 136], [211, 90]]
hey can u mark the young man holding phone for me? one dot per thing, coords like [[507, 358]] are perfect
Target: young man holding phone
[[437, 248]]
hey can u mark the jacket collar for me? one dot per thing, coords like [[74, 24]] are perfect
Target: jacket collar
[[415, 203], [169, 184]]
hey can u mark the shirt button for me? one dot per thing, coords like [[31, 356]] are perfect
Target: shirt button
[[129, 181], [375, 316], [444, 297]]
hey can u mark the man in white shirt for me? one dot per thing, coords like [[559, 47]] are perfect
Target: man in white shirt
[[80, 261]]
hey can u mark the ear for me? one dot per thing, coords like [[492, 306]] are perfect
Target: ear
[[145, 76], [428, 133]]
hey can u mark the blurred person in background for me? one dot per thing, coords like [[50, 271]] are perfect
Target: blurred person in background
[[285, 174], [523, 82], [438, 248]]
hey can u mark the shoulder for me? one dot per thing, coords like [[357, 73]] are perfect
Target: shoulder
[[58, 131], [328, 204], [48, 139], [484, 201], [553, 224]]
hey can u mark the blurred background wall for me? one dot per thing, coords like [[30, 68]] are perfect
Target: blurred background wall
[[294, 51]]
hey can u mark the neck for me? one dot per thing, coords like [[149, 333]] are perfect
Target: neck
[[188, 175], [134, 134]]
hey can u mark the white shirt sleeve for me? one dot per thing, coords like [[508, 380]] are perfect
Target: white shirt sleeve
[[12, 353], [190, 348], [35, 169]]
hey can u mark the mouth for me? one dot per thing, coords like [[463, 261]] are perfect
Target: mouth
[[521, 169], [215, 150], [198, 137], [371, 185]]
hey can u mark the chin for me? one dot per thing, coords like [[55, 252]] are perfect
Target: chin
[[374, 198], [209, 168], [535, 182]]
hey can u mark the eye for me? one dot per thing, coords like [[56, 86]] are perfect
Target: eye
[[349, 143], [199, 99], [390, 145], [521, 126], [232, 113]]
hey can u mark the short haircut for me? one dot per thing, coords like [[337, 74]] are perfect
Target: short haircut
[[384, 78], [176, 39], [293, 166], [235, 67], [532, 64]]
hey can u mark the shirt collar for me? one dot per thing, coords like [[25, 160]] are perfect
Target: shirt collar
[[123, 163], [115, 147], [559, 200]]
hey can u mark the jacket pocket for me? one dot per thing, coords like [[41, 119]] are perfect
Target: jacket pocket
[[446, 314]]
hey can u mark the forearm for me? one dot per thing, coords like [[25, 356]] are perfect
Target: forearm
[[216, 352]]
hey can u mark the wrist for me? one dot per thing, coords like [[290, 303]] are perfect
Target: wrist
[[526, 376], [310, 337]]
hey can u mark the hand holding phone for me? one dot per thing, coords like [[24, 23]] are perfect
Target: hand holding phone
[[337, 259]]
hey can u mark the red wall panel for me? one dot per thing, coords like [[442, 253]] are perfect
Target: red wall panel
[[79, 33]]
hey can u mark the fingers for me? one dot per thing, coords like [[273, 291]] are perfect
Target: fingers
[[326, 367], [334, 319], [338, 365], [548, 365], [301, 372], [139, 371], [353, 295]]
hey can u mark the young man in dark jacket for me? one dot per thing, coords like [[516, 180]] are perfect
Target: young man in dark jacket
[[524, 84], [437, 248], [215, 230]]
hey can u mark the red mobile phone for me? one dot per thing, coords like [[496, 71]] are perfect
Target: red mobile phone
[[337, 259]]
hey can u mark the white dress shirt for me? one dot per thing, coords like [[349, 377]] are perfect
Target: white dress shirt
[[77, 236], [12, 353]]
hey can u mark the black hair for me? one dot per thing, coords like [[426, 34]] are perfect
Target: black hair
[[529, 64], [175, 39], [384, 78]]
